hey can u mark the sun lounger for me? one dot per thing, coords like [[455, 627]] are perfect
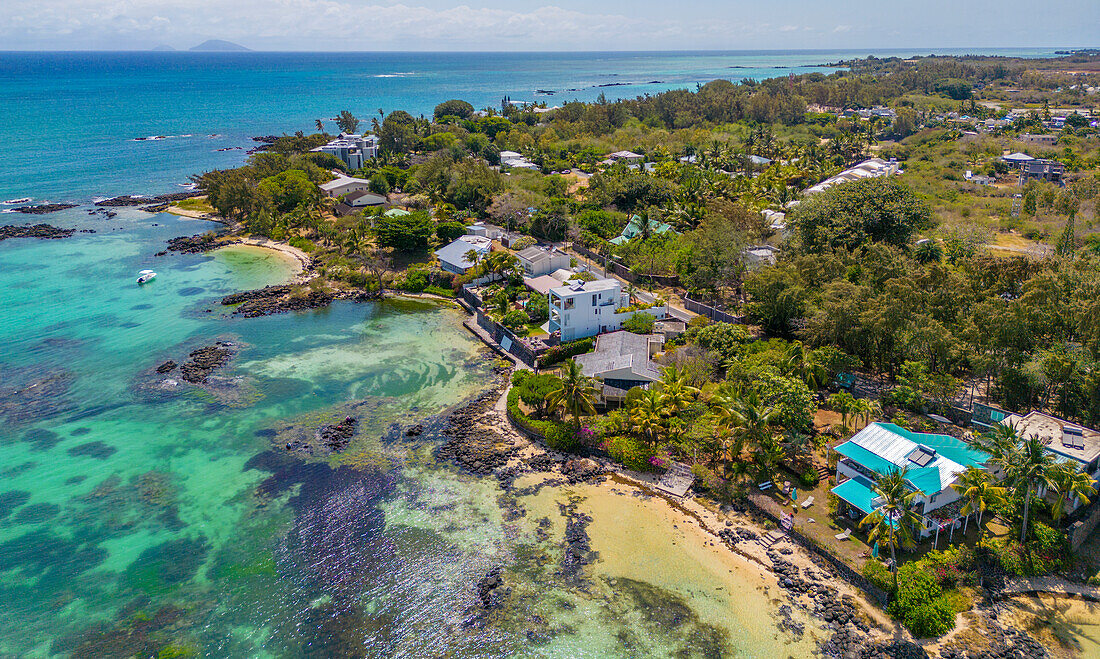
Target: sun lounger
[[843, 536], [765, 485], [808, 502], [786, 487]]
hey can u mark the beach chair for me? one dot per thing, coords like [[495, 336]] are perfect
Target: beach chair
[[765, 485], [808, 502], [844, 535]]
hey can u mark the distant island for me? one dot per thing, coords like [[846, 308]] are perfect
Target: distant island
[[163, 48], [219, 45]]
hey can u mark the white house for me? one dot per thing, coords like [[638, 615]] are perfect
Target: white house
[[490, 231], [1064, 440], [582, 309], [354, 150], [933, 463], [452, 257], [867, 169], [538, 261], [625, 156], [759, 256], [342, 185]]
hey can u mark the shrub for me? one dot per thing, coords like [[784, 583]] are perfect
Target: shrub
[[919, 602], [415, 281], [560, 436], [877, 574], [523, 243], [639, 323], [449, 231], [631, 453], [301, 243], [560, 353], [905, 398], [515, 319], [442, 292]]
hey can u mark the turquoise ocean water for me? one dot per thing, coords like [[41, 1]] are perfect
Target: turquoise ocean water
[[140, 516]]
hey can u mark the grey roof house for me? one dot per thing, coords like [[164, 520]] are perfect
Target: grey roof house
[[622, 360]]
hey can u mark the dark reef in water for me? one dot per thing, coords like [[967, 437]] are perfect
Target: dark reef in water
[[34, 395], [41, 231], [96, 449]]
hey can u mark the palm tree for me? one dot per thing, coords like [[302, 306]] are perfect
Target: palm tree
[[676, 394], [645, 416], [320, 126], [864, 409], [1070, 483], [844, 403], [979, 490], [575, 395], [1032, 467], [799, 362], [894, 519], [754, 422]]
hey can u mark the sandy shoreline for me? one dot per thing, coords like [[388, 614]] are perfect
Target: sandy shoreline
[[703, 526]]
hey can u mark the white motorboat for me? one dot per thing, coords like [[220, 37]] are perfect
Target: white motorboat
[[14, 202], [145, 276]]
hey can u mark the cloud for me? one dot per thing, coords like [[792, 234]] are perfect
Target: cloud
[[842, 28]]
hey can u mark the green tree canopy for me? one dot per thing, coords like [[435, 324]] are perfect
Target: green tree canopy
[[288, 189], [454, 108], [853, 214], [405, 232]]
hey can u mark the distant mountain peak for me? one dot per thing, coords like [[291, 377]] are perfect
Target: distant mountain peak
[[219, 45]]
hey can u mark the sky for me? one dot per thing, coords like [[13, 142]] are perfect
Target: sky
[[531, 25]]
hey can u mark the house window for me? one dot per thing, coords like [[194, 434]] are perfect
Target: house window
[[932, 499], [593, 299], [569, 303]]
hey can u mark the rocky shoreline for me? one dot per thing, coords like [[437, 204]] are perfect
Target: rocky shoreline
[[284, 298], [481, 441], [142, 200], [40, 231]]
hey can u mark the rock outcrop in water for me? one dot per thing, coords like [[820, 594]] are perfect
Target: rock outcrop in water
[[41, 231], [195, 244], [42, 209], [284, 298], [130, 200], [202, 362]]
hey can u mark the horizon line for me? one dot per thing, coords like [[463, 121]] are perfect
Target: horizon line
[[546, 51]]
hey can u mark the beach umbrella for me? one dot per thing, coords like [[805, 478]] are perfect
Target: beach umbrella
[[874, 551], [794, 494]]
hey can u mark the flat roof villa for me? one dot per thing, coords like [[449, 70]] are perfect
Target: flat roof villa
[[538, 261], [1063, 439], [586, 308], [622, 361], [934, 462], [354, 150]]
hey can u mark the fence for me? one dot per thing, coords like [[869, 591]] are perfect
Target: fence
[[505, 338], [849, 574], [717, 315], [624, 272]]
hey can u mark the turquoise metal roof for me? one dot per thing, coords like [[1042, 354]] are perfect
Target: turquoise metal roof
[[859, 492], [884, 447], [860, 455]]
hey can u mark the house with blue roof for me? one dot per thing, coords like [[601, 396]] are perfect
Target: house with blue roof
[[933, 462]]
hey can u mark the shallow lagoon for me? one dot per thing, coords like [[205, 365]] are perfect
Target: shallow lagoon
[[135, 520]]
